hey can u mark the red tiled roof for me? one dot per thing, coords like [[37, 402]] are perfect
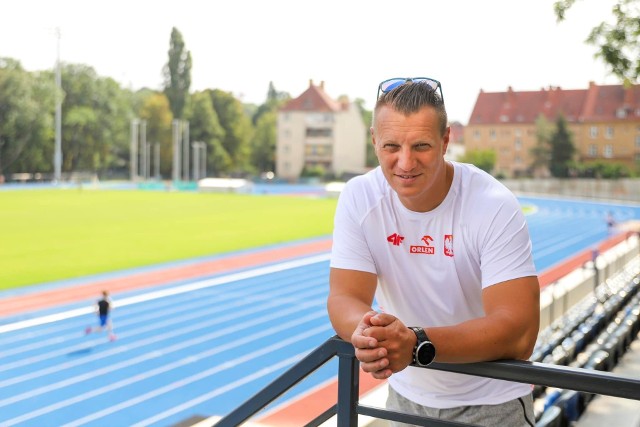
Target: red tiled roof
[[598, 103], [313, 99]]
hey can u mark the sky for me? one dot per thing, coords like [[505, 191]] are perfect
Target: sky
[[240, 46]]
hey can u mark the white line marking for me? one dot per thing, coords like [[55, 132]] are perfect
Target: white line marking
[[167, 292]]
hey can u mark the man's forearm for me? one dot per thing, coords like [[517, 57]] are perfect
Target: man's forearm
[[345, 314]]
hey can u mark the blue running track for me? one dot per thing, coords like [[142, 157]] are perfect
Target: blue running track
[[202, 347]]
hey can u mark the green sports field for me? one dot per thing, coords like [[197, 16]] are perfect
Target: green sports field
[[47, 235]]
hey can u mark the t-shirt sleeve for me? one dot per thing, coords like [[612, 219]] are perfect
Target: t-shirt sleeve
[[506, 244], [350, 250]]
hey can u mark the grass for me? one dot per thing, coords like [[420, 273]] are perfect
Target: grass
[[48, 235]]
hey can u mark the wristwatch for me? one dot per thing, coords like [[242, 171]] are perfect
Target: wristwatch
[[424, 352]]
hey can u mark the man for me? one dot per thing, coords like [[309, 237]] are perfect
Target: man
[[445, 250], [103, 309]]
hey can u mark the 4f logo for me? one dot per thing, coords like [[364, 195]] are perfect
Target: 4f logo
[[395, 239]]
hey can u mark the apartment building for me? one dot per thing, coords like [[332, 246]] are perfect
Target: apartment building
[[603, 119], [315, 130]]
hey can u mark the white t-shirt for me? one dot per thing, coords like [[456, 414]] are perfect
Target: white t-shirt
[[432, 266]]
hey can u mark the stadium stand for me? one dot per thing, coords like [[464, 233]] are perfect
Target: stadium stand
[[594, 334]]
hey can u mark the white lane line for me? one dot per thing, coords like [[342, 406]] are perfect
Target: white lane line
[[284, 278], [177, 364], [565, 243], [221, 390], [244, 298], [207, 373], [176, 347], [167, 292]]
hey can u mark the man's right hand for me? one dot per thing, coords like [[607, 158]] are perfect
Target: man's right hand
[[372, 356]]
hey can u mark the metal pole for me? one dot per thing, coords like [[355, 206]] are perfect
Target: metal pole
[[143, 149], [596, 272], [147, 165], [204, 160], [176, 151], [157, 160], [196, 160], [348, 387], [185, 148], [133, 155], [57, 157]]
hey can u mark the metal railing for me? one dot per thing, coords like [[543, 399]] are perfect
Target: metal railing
[[348, 407]]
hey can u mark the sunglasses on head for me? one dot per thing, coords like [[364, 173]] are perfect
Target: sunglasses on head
[[390, 84]]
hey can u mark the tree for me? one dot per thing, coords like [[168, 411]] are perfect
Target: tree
[[619, 44], [238, 130], [177, 74], [263, 147], [96, 114], [483, 159], [562, 149], [26, 119], [204, 126], [541, 152], [371, 160], [155, 110]]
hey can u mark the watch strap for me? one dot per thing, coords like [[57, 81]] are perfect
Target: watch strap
[[421, 336]]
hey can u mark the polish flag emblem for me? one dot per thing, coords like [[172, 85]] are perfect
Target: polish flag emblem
[[448, 244]]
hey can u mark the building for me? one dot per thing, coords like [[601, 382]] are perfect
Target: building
[[316, 131], [455, 149], [604, 121]]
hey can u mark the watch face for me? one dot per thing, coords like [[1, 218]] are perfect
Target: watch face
[[426, 353]]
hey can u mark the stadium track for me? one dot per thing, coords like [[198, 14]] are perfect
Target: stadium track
[[29, 304]]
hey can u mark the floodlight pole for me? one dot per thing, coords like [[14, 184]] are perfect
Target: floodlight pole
[[57, 157], [133, 150], [143, 149], [185, 150], [157, 159], [176, 150], [196, 161]]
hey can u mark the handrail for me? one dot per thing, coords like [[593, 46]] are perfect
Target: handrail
[[348, 408]]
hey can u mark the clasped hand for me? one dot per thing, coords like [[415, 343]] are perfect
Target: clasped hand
[[383, 344]]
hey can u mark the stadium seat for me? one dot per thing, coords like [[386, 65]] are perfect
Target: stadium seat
[[599, 361], [572, 405], [552, 417]]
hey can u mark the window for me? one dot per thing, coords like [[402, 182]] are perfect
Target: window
[[608, 151], [492, 134], [608, 133], [593, 131], [319, 132], [518, 144], [593, 150], [476, 135], [637, 141]]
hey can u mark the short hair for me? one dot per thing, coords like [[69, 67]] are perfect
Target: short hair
[[411, 97]]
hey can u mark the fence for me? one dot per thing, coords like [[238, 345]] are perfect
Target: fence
[[347, 409]]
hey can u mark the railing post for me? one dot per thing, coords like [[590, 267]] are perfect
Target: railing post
[[348, 390]]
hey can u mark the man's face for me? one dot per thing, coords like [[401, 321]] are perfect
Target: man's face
[[411, 152]]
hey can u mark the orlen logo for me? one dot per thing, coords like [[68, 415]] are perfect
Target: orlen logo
[[395, 238], [427, 250]]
